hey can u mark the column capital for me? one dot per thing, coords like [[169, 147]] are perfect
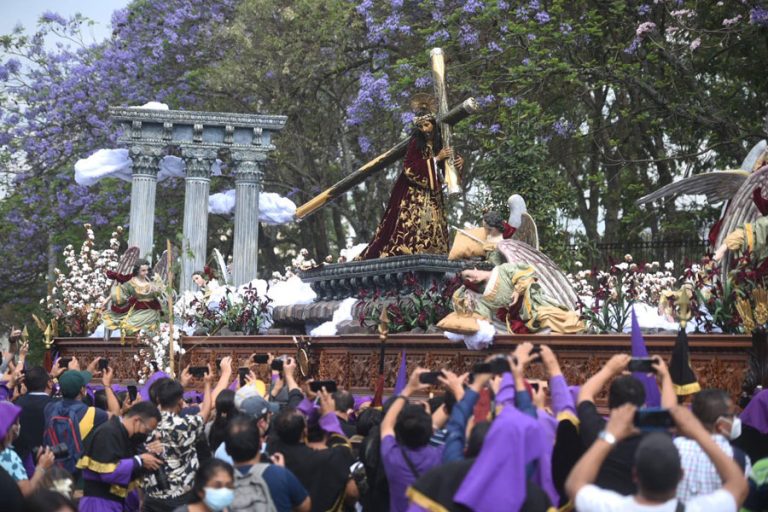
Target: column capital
[[145, 158], [198, 160], [248, 165]]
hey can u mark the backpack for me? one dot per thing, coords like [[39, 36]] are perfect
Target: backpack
[[64, 427], [252, 492]]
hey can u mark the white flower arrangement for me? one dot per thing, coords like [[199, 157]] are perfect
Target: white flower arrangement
[[156, 350], [79, 291]]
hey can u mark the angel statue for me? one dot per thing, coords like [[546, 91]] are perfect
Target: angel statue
[[414, 221], [512, 294], [135, 305]]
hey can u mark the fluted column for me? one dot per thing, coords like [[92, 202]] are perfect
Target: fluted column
[[197, 186], [146, 163], [248, 176]]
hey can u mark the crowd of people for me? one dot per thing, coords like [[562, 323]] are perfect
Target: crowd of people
[[487, 440]]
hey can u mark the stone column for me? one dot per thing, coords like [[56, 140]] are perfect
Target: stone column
[[197, 185], [146, 164], [248, 174]]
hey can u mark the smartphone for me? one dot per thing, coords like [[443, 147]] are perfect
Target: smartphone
[[641, 364], [103, 364], [430, 377], [242, 373], [260, 358], [536, 354], [653, 418], [277, 365], [132, 392], [198, 371], [496, 366], [64, 362], [317, 385]]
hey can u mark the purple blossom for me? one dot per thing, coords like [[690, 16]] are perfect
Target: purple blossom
[[531, 37], [372, 94], [526, 61], [509, 101], [13, 66], [53, 17], [468, 36], [486, 100], [566, 28], [643, 9], [423, 82], [759, 16], [438, 36], [494, 128], [502, 5], [563, 128], [542, 17], [473, 6], [632, 48], [364, 143], [406, 118], [494, 47]]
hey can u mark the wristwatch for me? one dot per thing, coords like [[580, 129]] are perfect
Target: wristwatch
[[607, 437]]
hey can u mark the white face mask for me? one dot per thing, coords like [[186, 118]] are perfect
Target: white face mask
[[735, 431], [218, 499]]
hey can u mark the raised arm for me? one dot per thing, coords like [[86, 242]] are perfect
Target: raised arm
[[207, 405], [668, 396], [113, 405], [388, 423], [613, 367], [224, 378]]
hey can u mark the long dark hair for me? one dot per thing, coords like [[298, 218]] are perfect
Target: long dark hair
[[205, 473], [225, 411], [140, 263], [421, 140]]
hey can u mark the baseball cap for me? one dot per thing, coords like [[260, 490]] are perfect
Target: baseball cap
[[257, 407], [72, 381]]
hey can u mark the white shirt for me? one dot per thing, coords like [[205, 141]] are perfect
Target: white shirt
[[699, 474], [594, 499]]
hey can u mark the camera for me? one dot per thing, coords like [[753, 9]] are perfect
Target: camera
[[60, 451]]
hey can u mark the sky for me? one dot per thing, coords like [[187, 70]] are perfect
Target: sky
[[26, 12]]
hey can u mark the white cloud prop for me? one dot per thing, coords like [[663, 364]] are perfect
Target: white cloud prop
[[154, 105], [115, 163], [273, 208], [481, 340], [291, 291], [342, 313]]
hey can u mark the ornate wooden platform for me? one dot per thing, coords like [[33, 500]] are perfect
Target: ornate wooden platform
[[353, 361]]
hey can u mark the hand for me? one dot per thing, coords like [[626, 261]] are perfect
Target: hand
[[327, 403], [23, 351], [73, 364], [453, 382], [413, 382], [270, 358], [458, 162], [550, 361], [208, 376], [56, 371], [289, 367], [495, 384], [618, 363], [687, 424], [622, 422], [151, 461], [185, 378], [520, 357], [444, 153], [45, 459], [278, 459], [662, 370], [106, 377], [92, 366], [225, 365], [155, 447], [250, 378]]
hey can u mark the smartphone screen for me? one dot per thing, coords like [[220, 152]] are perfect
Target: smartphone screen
[[103, 363], [653, 419], [132, 393], [277, 365], [329, 385], [64, 362], [242, 373], [198, 371], [260, 358]]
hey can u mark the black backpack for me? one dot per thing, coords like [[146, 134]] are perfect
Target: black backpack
[[375, 497]]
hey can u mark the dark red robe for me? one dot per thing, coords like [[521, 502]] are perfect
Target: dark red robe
[[414, 221]]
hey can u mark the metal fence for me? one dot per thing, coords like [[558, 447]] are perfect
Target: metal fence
[[601, 255]]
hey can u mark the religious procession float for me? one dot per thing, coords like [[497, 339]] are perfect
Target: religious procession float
[[420, 290]]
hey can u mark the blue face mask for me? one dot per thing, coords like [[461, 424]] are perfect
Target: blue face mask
[[218, 499]]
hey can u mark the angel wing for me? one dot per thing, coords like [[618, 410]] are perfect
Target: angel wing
[[222, 266], [527, 231], [742, 208], [551, 277], [718, 186], [751, 163], [128, 260], [161, 267]]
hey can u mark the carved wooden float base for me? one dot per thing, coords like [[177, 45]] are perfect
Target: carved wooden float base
[[353, 361]]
